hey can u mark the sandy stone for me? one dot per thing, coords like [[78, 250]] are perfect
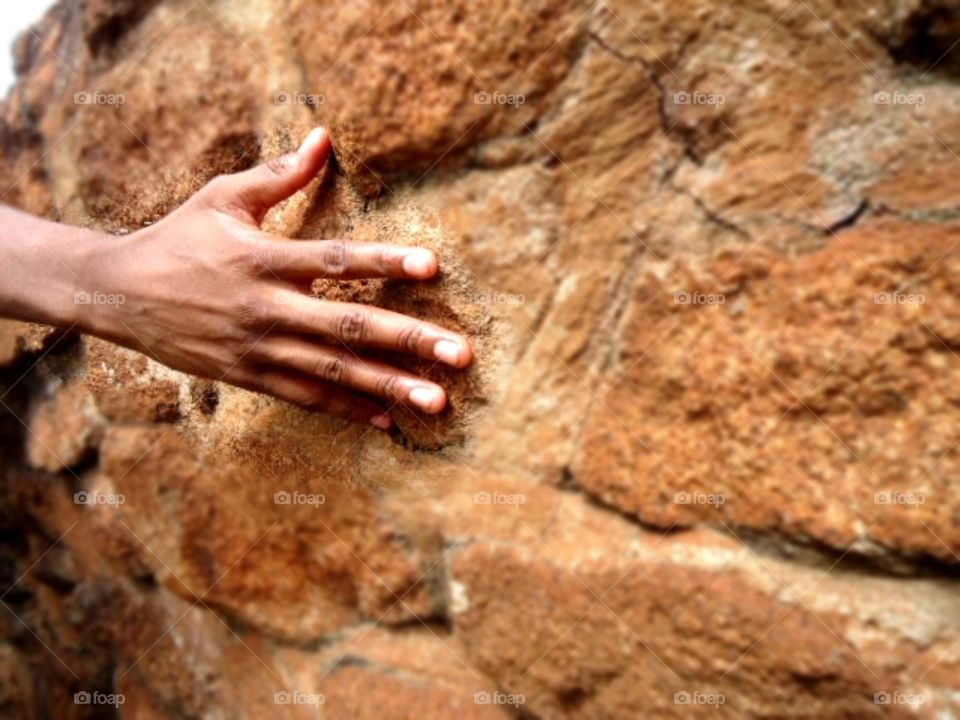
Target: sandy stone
[[19, 339], [64, 431], [807, 398]]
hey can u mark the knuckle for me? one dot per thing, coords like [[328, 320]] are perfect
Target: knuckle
[[270, 256], [335, 254], [354, 326], [388, 386], [411, 339], [220, 194], [254, 258], [388, 262], [331, 369], [217, 187], [246, 261], [279, 165], [250, 349], [251, 312]]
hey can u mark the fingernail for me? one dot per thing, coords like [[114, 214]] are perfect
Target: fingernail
[[428, 398], [420, 263], [448, 351], [382, 421], [311, 141]]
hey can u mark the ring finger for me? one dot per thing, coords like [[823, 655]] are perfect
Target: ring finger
[[342, 367]]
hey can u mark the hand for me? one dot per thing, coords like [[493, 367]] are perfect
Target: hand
[[206, 292]]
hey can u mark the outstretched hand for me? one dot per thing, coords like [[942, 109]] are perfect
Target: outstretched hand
[[208, 293]]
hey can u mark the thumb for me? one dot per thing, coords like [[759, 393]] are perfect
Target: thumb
[[259, 189]]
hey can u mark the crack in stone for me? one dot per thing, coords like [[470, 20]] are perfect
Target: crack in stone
[[858, 213], [677, 135], [713, 216], [651, 74]]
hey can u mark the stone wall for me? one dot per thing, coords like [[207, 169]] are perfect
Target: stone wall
[[705, 464]]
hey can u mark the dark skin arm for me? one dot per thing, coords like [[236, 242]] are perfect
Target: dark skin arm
[[206, 292]]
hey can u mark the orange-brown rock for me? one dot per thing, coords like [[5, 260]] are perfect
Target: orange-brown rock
[[809, 398]]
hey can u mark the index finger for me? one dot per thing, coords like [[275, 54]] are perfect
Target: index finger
[[346, 260]]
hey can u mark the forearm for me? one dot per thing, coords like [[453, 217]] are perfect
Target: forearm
[[46, 270]]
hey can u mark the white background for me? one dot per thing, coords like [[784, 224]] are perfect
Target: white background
[[15, 17]]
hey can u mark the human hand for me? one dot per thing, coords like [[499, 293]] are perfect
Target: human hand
[[208, 293]]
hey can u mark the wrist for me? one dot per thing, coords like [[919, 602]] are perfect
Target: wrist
[[96, 291], [43, 267]]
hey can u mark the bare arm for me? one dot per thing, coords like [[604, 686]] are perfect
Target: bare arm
[[208, 293], [41, 267]]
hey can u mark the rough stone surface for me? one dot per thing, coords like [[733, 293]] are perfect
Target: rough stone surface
[[705, 463]]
